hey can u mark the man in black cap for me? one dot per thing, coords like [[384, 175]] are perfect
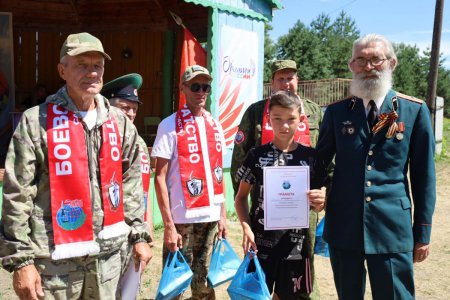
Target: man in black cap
[[122, 93]]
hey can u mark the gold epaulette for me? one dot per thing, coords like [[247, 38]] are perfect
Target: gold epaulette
[[410, 98]]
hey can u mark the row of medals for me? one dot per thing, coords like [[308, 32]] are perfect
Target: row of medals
[[399, 132]]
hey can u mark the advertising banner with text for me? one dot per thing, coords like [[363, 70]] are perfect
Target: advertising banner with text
[[238, 80]]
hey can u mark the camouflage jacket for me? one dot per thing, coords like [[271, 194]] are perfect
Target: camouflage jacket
[[249, 132], [26, 226]]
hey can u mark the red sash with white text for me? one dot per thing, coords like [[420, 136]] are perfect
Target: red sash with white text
[[194, 170], [145, 173], [111, 180], [70, 188], [301, 135]]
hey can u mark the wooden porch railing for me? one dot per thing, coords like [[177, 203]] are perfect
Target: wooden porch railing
[[323, 92]]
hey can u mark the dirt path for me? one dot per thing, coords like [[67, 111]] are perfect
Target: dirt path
[[432, 276]]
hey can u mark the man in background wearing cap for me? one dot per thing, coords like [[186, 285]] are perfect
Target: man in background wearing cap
[[254, 130], [189, 179], [122, 93], [71, 165]]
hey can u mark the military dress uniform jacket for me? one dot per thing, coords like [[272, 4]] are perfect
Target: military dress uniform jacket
[[369, 205], [25, 230], [250, 130]]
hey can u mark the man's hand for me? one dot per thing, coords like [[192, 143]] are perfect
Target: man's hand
[[172, 239], [27, 283], [421, 252], [248, 239], [142, 254], [316, 199], [222, 228]]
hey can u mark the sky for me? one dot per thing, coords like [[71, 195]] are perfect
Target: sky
[[407, 21]]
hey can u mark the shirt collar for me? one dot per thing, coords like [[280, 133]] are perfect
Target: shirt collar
[[378, 103]]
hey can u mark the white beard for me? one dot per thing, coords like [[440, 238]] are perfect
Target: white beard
[[376, 88]]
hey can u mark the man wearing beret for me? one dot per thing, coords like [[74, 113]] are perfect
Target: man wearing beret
[[254, 130], [189, 179], [71, 165], [383, 146], [122, 93]]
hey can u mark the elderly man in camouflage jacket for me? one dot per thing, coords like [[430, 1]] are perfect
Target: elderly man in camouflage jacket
[[72, 188], [254, 131]]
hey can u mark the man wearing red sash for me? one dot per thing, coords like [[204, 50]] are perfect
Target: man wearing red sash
[[122, 93], [189, 179], [254, 130], [71, 166]]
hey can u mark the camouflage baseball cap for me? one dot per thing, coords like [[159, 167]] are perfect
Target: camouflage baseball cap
[[78, 43], [282, 65], [193, 71]]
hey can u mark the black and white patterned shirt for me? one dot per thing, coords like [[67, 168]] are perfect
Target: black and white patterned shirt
[[286, 244]]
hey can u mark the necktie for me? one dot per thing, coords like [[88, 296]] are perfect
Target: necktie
[[372, 115]]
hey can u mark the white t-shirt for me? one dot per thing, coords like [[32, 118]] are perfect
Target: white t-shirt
[[165, 146], [89, 117]]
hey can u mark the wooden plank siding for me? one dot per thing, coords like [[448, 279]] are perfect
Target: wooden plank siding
[[37, 56]]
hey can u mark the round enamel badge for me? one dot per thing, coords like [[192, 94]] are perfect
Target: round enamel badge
[[239, 138]]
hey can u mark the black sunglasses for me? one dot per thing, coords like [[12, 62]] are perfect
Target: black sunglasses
[[195, 87]]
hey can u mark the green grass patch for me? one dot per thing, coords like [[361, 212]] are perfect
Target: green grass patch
[[445, 154]]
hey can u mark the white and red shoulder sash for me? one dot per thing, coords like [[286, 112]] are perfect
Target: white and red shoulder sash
[[301, 135], [70, 188], [198, 175], [145, 174]]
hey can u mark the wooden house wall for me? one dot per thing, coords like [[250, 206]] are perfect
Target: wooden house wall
[[37, 56]]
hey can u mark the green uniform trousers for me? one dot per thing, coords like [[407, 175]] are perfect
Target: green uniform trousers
[[391, 275], [81, 278]]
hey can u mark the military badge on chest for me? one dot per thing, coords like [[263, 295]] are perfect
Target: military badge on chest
[[348, 128]]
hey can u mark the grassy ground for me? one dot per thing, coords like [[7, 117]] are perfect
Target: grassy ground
[[445, 155]]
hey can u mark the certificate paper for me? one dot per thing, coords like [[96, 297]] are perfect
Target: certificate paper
[[131, 282], [286, 204]]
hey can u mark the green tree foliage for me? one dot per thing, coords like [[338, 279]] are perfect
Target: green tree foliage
[[443, 88], [269, 52], [306, 49], [343, 33], [322, 49], [411, 74]]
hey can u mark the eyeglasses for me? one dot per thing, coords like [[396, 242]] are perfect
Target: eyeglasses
[[374, 61], [195, 87]]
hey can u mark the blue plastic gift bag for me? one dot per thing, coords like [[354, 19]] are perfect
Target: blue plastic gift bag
[[249, 286], [321, 247], [224, 263], [176, 277]]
